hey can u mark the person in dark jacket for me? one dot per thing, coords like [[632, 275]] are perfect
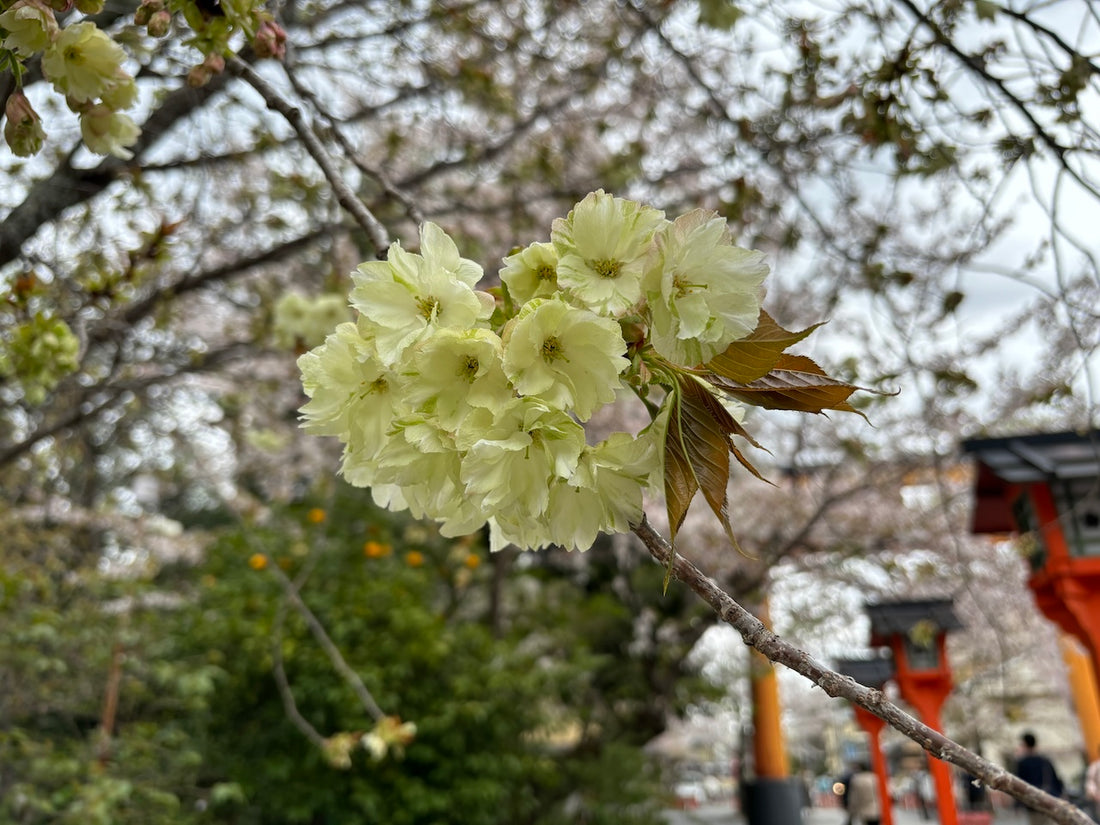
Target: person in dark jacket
[[1037, 770]]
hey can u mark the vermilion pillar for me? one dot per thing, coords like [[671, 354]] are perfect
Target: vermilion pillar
[[873, 673], [873, 726], [772, 797], [916, 633], [1066, 588], [1046, 486]]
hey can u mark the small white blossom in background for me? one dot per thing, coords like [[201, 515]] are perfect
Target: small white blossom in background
[[470, 408], [390, 735], [305, 321]]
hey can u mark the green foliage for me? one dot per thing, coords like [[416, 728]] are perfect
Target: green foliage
[[38, 353], [536, 721], [719, 14]]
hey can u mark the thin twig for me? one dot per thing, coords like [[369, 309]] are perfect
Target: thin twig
[[283, 684], [376, 232], [330, 648], [756, 635], [376, 174]]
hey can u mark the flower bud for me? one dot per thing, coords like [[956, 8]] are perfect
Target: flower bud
[[60, 5], [159, 22], [270, 40], [142, 13], [214, 63], [23, 130], [90, 6], [198, 76]]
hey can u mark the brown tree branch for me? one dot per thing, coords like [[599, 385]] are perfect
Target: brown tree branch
[[977, 67], [130, 315], [776, 649], [92, 401], [330, 648], [376, 232], [290, 706], [69, 186]]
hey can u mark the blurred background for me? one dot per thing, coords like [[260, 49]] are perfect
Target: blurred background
[[179, 561]]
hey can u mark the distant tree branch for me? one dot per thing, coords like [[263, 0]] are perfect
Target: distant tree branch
[[756, 635], [383, 180], [1036, 26], [69, 186], [93, 400], [330, 648], [376, 232], [139, 309], [977, 66], [290, 706]]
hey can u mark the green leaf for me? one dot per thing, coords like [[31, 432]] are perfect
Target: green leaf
[[796, 383], [755, 355], [719, 14], [985, 9]]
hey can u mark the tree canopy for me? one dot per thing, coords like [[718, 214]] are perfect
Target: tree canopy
[[180, 219]]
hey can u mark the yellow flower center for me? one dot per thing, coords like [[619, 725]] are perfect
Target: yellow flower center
[[681, 287], [545, 273], [428, 307], [469, 368], [552, 349], [378, 386], [608, 268]]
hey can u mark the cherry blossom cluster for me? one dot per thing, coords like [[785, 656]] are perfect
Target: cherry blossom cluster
[[82, 63], [85, 65], [469, 407]]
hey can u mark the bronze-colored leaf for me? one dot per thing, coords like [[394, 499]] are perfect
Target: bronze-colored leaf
[[707, 426], [680, 482], [755, 355], [795, 383], [697, 453]]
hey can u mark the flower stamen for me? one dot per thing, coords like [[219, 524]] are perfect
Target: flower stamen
[[468, 371], [607, 268], [552, 349], [429, 307]]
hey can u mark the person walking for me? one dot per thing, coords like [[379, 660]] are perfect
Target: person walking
[[1092, 786], [1037, 770], [862, 801]]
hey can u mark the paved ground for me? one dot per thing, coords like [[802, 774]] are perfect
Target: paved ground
[[721, 814]]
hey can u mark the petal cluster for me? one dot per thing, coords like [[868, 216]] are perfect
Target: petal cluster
[[471, 408]]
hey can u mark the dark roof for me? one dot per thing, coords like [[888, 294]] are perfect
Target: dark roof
[[1025, 459], [873, 673], [891, 618]]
